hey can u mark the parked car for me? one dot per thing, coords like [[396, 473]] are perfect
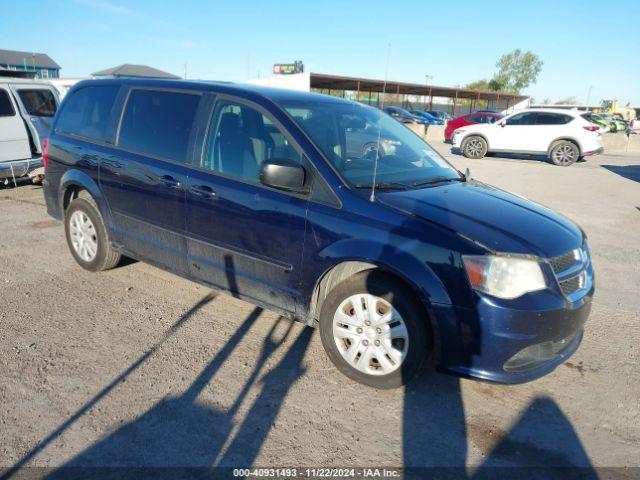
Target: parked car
[[402, 115], [396, 257], [598, 120], [442, 115], [563, 135], [469, 119], [615, 124], [27, 108], [426, 117]]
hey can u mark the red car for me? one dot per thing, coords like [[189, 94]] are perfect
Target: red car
[[470, 119]]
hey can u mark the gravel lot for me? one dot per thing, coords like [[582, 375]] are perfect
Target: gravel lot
[[138, 367]]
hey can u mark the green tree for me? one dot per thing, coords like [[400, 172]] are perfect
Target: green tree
[[567, 101], [493, 85], [478, 85], [517, 70]]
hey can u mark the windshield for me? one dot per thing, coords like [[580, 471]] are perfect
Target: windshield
[[351, 136]]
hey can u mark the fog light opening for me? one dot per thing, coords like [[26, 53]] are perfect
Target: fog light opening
[[536, 355]]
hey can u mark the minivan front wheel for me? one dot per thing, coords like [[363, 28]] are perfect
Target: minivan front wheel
[[87, 236], [474, 147], [374, 330]]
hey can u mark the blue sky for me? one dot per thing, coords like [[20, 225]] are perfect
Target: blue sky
[[582, 43]]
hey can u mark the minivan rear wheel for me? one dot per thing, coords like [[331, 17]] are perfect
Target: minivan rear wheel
[[87, 236], [474, 147], [374, 330]]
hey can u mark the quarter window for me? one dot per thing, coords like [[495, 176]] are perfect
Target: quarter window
[[6, 108], [240, 138], [38, 103], [87, 112], [159, 123]]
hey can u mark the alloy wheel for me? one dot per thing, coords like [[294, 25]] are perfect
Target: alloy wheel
[[474, 147], [564, 154]]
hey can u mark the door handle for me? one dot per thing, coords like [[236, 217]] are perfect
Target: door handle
[[204, 191], [169, 181]]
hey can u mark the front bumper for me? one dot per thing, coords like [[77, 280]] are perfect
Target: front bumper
[[481, 343], [19, 168], [455, 139]]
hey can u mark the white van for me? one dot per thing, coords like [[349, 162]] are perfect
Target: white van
[[27, 108]]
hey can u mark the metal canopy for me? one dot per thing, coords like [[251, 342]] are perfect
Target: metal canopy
[[336, 82]]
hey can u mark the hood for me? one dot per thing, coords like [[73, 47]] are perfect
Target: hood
[[501, 221]]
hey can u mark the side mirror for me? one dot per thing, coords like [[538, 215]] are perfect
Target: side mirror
[[283, 174], [502, 124]]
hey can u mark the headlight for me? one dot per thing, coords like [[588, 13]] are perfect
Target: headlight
[[503, 277]]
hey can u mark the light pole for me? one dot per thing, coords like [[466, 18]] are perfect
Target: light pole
[[427, 79], [589, 96]]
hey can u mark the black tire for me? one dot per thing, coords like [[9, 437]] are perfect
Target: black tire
[[564, 153], [408, 307], [105, 257], [474, 146]]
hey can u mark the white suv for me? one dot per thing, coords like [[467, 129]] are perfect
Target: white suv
[[563, 135]]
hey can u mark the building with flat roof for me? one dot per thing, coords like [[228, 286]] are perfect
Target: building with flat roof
[[27, 64]]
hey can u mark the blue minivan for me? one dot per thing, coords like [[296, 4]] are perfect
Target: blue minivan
[[326, 211]]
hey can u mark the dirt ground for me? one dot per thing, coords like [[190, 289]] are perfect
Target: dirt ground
[[138, 367]]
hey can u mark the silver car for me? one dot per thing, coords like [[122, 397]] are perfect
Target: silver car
[[27, 108]]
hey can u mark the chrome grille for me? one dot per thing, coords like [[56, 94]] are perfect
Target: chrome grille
[[564, 262], [571, 270], [573, 284]]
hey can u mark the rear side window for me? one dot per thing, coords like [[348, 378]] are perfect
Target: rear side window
[[552, 119], [38, 103], [159, 123], [87, 112], [6, 108], [522, 119]]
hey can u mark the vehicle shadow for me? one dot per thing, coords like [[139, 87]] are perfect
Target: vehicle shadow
[[67, 424], [515, 156], [631, 172], [437, 437], [181, 437]]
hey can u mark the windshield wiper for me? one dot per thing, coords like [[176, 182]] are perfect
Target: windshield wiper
[[384, 186], [434, 180]]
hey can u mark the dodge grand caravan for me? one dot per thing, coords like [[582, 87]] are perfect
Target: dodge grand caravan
[[324, 210]]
